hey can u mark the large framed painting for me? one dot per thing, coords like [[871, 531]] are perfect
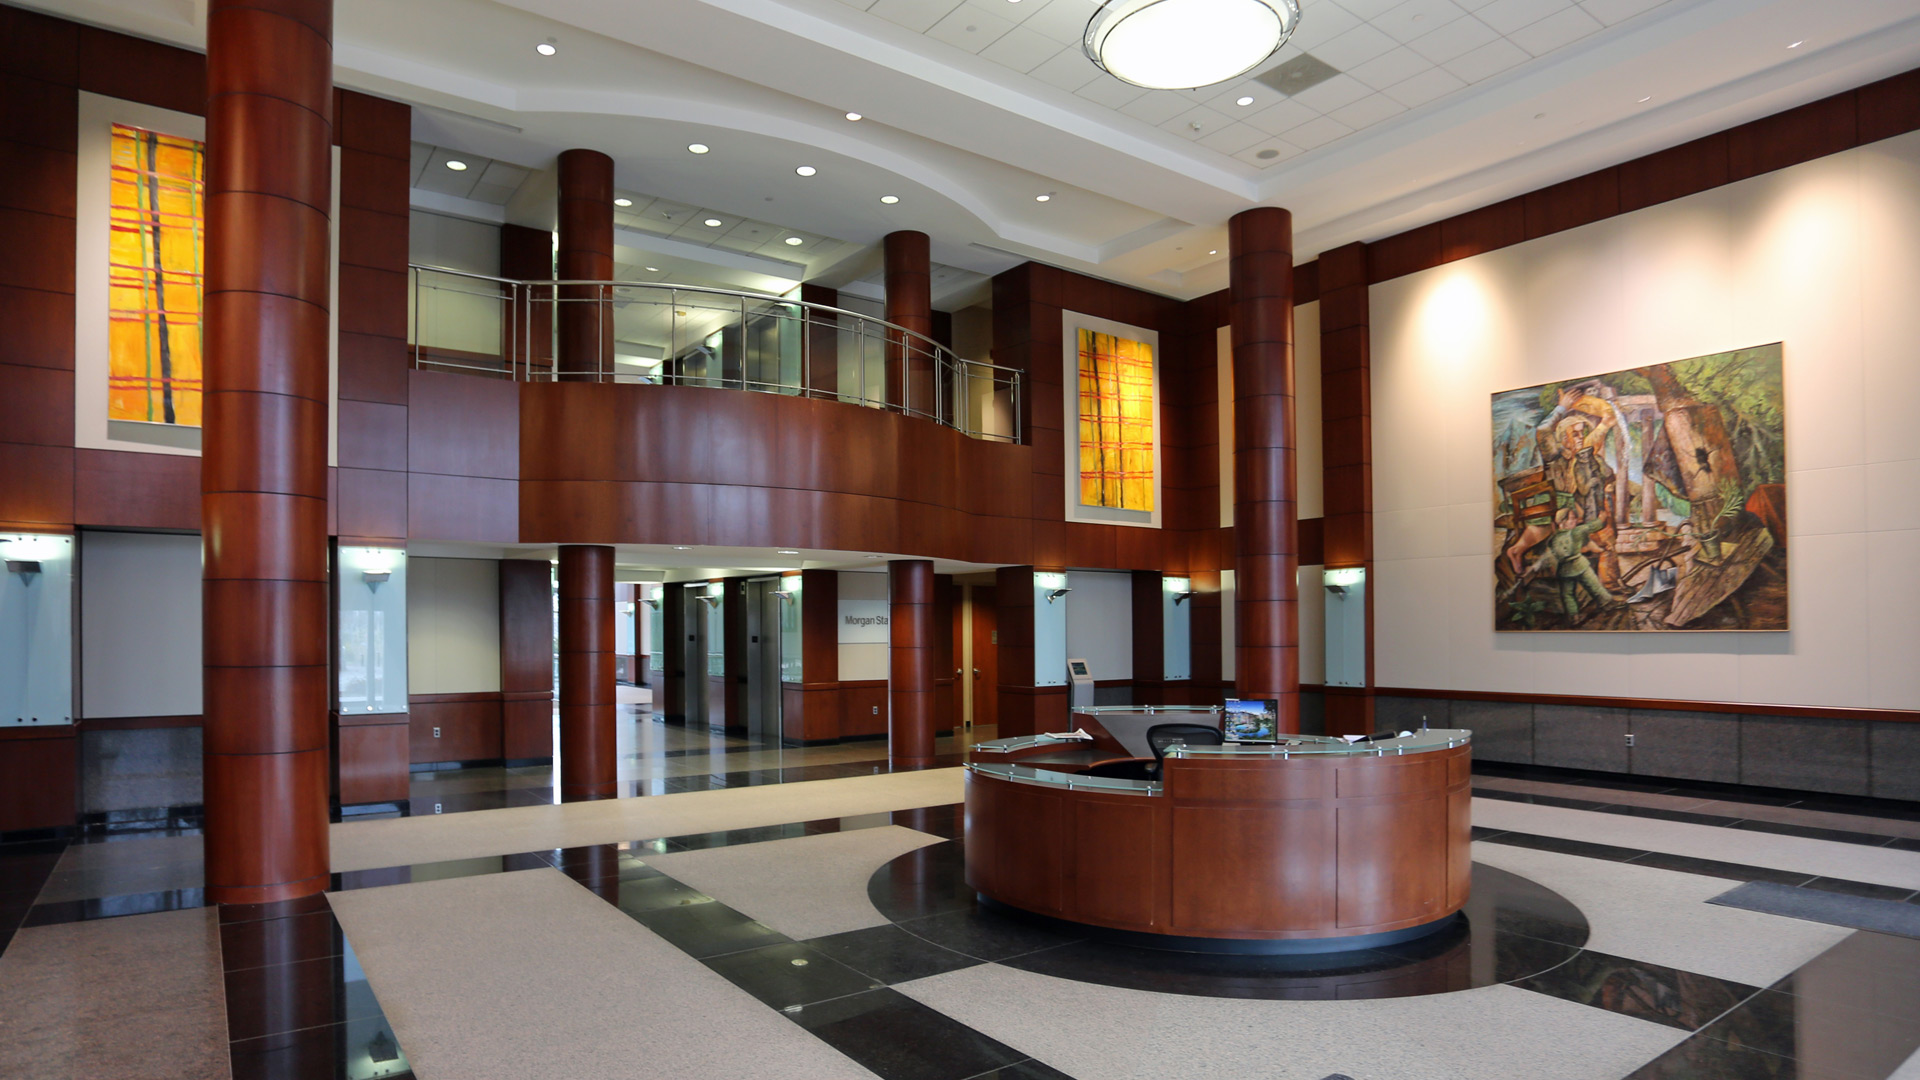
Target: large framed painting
[[1112, 403], [1649, 499]]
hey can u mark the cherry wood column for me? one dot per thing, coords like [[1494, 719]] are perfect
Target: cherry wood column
[[527, 255], [822, 341], [264, 467], [909, 286], [585, 254], [672, 708], [1149, 639], [1266, 611], [914, 660], [1346, 423], [588, 758], [526, 659]]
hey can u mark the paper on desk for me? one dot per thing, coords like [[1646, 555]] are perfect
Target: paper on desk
[[1076, 733]]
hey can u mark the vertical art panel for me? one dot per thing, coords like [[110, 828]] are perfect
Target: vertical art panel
[[1650, 499], [157, 212], [1116, 422]]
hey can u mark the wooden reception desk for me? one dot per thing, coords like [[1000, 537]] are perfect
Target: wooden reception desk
[[1313, 842]]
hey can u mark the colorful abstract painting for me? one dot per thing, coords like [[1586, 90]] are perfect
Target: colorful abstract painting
[[1116, 422], [1650, 499], [157, 216]]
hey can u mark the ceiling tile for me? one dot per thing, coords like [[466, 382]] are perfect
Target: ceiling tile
[[1317, 133], [1065, 21], [1068, 70], [1281, 117], [1555, 31], [1021, 49], [1319, 24], [1488, 60], [1395, 67], [1270, 152], [1417, 17], [859, 4], [1425, 87], [1233, 138], [1506, 16], [1364, 10], [1453, 40], [1368, 111], [1111, 92], [1335, 92], [1228, 101], [437, 177], [667, 216], [916, 15], [1196, 122], [1610, 12], [970, 27], [418, 165], [1355, 47], [1157, 106]]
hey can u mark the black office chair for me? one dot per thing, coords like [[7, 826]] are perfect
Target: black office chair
[[1162, 736]]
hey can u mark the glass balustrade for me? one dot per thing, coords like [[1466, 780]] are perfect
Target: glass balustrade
[[686, 335]]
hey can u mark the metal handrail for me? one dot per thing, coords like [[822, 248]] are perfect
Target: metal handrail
[[517, 356]]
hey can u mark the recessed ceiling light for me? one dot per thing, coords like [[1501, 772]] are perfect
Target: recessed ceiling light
[[653, 269], [682, 547], [853, 116], [623, 202], [1245, 101], [1043, 198], [1796, 44], [806, 170], [697, 148], [786, 551], [713, 223], [795, 241], [889, 199], [1216, 251], [457, 166], [876, 556], [545, 48], [1646, 99]]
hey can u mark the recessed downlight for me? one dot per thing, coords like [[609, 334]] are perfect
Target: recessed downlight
[[794, 241], [653, 269], [623, 202], [682, 547], [1215, 251], [697, 148], [786, 551], [806, 170], [457, 165], [853, 116], [712, 223], [1646, 99], [1244, 100], [1796, 44], [889, 199], [1048, 197], [546, 48]]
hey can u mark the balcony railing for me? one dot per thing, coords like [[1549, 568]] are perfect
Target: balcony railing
[[690, 335]]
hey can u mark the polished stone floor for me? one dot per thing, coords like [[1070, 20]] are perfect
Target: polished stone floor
[[1593, 946]]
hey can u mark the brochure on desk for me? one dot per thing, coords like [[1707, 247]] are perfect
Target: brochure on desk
[[1251, 720]]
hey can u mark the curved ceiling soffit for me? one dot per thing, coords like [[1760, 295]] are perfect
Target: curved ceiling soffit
[[788, 129]]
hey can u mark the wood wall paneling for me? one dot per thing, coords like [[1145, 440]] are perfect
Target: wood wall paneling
[[526, 658], [39, 778], [455, 727]]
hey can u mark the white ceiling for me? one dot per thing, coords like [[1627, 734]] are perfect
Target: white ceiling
[[1426, 118]]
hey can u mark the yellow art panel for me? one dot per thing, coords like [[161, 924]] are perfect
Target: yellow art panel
[[157, 216], [1116, 422]]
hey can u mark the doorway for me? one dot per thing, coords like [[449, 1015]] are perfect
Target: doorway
[[984, 645], [763, 659]]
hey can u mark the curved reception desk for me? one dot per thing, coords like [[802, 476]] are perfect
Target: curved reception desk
[[1305, 845]]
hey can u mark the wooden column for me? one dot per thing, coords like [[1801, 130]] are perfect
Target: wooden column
[[823, 341], [910, 689], [733, 606], [1149, 639], [1346, 424], [946, 692], [909, 287], [527, 255], [1013, 621], [673, 655], [585, 254], [264, 466], [588, 758], [1260, 309], [526, 659], [810, 710]]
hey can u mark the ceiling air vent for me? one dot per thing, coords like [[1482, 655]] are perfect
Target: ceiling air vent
[[1298, 74]]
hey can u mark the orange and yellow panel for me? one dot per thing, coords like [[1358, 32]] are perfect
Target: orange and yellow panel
[[157, 216], [1116, 422]]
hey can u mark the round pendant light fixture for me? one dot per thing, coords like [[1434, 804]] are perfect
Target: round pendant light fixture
[[1182, 44]]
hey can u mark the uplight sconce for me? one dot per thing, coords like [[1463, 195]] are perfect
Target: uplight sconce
[[26, 568], [376, 566], [1057, 594], [1179, 588], [716, 590], [1338, 580]]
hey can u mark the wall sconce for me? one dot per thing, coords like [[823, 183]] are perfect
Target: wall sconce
[[26, 568], [1182, 597], [711, 601], [1337, 580], [376, 566], [1057, 594], [651, 601]]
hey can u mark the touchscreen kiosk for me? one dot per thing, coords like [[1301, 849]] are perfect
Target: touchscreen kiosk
[[1081, 682]]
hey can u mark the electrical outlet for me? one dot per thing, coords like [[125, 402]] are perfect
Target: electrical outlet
[[1629, 738], [436, 733], [436, 808], [876, 710]]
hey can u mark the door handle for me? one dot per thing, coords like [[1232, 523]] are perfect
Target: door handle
[[976, 673]]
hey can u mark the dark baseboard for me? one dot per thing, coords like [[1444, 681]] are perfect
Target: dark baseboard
[[1706, 789]]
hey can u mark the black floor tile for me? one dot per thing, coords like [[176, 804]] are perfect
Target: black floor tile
[[708, 930], [364, 1048], [287, 997], [925, 881], [1866, 971], [1866, 889], [1840, 836], [110, 907], [1030, 1069], [890, 954], [1664, 995], [1904, 843], [1660, 813], [1701, 1058], [1481, 832], [1826, 1037], [791, 974], [1568, 847], [654, 891], [948, 821], [1539, 800], [1687, 864], [900, 1039], [277, 909], [986, 935], [266, 942]]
